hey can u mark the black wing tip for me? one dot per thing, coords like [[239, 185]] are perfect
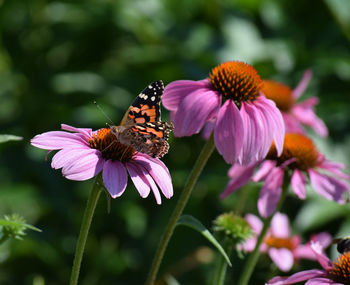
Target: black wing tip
[[158, 83]]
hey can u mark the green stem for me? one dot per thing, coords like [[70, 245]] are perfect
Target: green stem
[[84, 229], [254, 256], [192, 179], [220, 274]]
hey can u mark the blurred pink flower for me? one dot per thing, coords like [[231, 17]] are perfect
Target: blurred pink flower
[[336, 273], [283, 248], [230, 101], [83, 154], [295, 114], [301, 157]]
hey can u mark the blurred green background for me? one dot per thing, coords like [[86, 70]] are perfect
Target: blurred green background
[[57, 57]]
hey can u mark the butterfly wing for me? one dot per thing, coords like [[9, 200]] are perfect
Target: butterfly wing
[[149, 138], [146, 107]]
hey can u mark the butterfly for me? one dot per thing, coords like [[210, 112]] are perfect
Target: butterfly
[[141, 126]]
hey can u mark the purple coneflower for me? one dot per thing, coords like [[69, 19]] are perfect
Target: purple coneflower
[[283, 248], [83, 154], [301, 157], [244, 121], [295, 114], [336, 273]]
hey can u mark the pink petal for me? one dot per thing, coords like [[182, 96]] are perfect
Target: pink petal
[[159, 173], [57, 140], [255, 223], [249, 244], [334, 168], [208, 129], [304, 252], [138, 178], [297, 277], [298, 182], [308, 117], [86, 132], [252, 134], [329, 187], [323, 238], [114, 177], [304, 82], [266, 131], [84, 167], [176, 91], [292, 124], [270, 193], [148, 180], [280, 227], [265, 168], [229, 132], [322, 259], [240, 176], [282, 257], [322, 281], [274, 119], [194, 111], [67, 157]]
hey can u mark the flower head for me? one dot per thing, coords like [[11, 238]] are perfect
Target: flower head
[[295, 114], [83, 154], [231, 104], [302, 159], [283, 248], [337, 273]]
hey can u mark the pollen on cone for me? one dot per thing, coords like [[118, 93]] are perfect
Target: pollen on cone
[[110, 147], [279, 93], [298, 147], [236, 80]]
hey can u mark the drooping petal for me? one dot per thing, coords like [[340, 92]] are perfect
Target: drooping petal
[[159, 173], [297, 277], [138, 178], [57, 140], [252, 134], [114, 177], [148, 180], [322, 259], [176, 91], [334, 168], [307, 116], [275, 121], [229, 132], [304, 82], [265, 168], [84, 167], [240, 176], [282, 257], [280, 227], [329, 187], [298, 182], [194, 111], [270, 193]]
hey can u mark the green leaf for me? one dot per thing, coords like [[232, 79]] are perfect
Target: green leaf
[[192, 222], [6, 138]]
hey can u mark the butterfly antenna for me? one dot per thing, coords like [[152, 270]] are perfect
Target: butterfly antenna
[[103, 112]]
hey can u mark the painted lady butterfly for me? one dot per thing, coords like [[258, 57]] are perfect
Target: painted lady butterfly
[[141, 126]]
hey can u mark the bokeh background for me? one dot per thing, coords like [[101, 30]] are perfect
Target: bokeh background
[[57, 57]]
